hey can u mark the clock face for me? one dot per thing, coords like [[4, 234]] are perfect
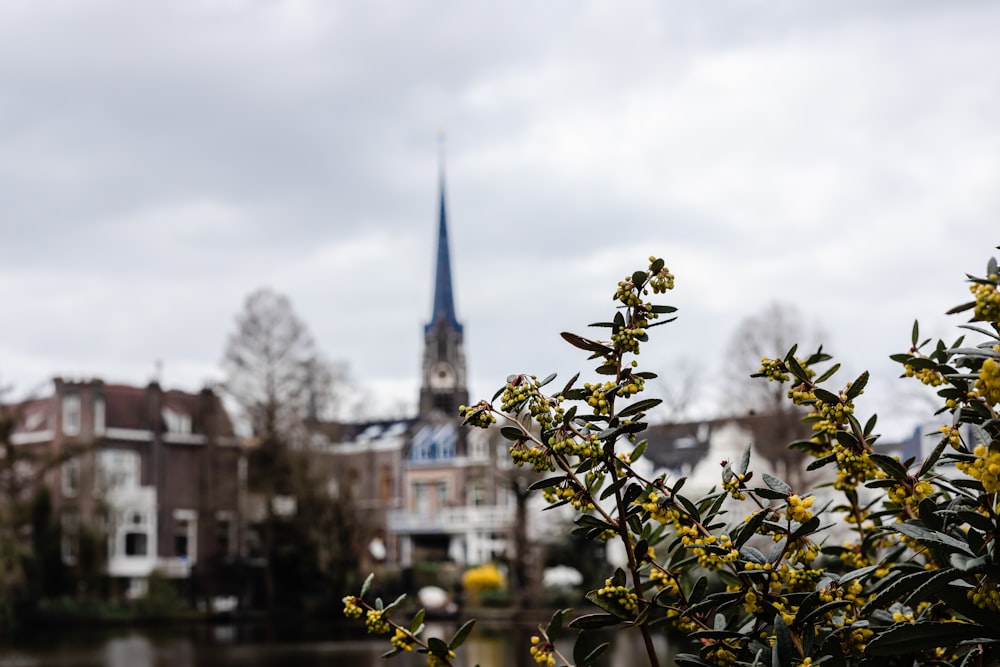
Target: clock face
[[442, 376]]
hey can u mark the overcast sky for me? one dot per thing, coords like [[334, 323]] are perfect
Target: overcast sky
[[159, 161]]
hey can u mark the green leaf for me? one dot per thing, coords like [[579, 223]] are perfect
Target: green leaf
[[639, 406], [438, 647], [890, 466], [933, 458], [569, 385], [905, 585], [715, 601], [611, 606], [795, 367], [820, 462], [958, 309], [908, 638], [395, 603], [462, 634], [632, 492], [418, 621], [548, 379], [803, 621], [614, 487], [806, 528], [752, 555], [639, 278], [750, 527], [744, 461], [698, 590], [915, 333], [639, 450], [512, 433], [857, 387], [594, 621], [776, 485], [595, 654], [966, 564], [586, 344], [929, 537], [783, 647], [547, 483], [827, 397], [365, 587], [769, 494], [828, 374]]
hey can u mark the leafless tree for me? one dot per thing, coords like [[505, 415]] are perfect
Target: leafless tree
[[274, 369], [763, 406], [679, 386], [281, 381]]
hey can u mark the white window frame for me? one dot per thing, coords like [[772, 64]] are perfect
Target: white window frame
[[71, 414], [70, 473], [99, 415], [117, 469]]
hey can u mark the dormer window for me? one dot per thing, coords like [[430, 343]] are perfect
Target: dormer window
[[177, 422]]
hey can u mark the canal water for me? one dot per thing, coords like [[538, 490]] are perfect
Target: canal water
[[267, 646]]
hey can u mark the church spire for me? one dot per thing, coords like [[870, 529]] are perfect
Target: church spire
[[443, 388], [444, 297]]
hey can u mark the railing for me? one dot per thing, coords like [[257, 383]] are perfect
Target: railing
[[451, 519]]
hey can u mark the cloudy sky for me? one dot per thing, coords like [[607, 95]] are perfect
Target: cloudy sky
[[159, 161]]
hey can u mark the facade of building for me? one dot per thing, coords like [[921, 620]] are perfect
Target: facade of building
[[156, 472]]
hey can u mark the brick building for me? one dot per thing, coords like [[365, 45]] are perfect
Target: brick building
[[156, 472]]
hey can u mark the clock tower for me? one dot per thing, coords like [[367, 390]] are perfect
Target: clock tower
[[443, 386]]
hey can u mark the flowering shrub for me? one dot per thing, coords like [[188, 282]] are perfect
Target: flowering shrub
[[482, 578], [916, 582]]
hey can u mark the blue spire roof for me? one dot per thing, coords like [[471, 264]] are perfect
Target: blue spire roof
[[444, 298]]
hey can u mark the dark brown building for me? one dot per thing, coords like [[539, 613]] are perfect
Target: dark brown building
[[158, 473]]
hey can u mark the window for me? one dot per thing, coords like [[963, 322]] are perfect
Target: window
[[136, 534], [70, 477], [185, 534], [135, 544], [479, 445], [71, 414], [420, 497], [117, 469], [98, 415], [69, 524], [442, 494], [385, 484], [477, 494], [177, 422], [224, 525]]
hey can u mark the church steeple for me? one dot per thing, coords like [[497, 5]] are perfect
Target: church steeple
[[444, 296], [443, 388]]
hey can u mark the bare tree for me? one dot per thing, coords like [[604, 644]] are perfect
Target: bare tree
[[274, 369], [680, 387], [763, 406], [281, 381]]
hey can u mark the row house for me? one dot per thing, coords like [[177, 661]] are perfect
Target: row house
[[158, 472]]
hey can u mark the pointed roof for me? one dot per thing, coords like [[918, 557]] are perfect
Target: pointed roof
[[444, 297]]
